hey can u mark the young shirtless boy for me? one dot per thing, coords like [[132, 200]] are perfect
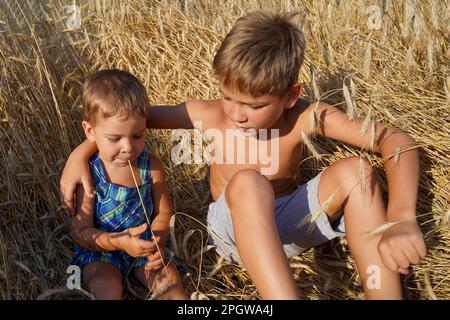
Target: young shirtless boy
[[256, 214]]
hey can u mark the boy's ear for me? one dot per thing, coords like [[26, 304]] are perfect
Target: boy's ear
[[293, 95], [88, 130]]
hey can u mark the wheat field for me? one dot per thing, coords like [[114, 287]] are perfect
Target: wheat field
[[396, 69]]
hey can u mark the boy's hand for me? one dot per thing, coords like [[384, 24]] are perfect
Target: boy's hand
[[402, 245], [74, 173], [130, 241]]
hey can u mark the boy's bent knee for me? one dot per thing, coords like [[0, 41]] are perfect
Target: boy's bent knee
[[248, 181], [353, 167], [247, 175], [354, 172]]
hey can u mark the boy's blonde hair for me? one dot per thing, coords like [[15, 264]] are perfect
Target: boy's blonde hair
[[113, 92], [262, 54]]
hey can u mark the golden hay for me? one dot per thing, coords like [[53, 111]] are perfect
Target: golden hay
[[400, 72]]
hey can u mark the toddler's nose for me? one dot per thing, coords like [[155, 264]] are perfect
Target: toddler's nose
[[127, 147]]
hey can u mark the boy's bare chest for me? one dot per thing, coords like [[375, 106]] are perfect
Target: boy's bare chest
[[248, 152], [276, 158]]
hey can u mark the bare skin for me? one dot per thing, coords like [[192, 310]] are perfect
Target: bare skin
[[253, 219], [105, 281]]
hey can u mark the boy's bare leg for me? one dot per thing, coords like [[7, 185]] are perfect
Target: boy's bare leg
[[363, 213], [250, 198], [168, 281], [103, 280]]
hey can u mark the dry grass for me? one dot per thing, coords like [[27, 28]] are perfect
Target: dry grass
[[398, 76]]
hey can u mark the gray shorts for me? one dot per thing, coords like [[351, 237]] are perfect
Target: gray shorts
[[290, 210]]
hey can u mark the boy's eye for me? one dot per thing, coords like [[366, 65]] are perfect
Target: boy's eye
[[114, 139], [226, 98], [257, 107], [138, 136]]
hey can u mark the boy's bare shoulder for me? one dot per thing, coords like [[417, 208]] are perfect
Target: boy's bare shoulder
[[208, 112], [204, 105], [302, 114], [298, 115]]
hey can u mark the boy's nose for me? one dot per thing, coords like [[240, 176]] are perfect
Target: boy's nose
[[237, 115]]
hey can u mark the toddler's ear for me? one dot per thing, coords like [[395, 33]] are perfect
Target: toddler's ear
[[293, 95], [88, 130]]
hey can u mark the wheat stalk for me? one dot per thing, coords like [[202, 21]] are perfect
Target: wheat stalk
[[146, 216]]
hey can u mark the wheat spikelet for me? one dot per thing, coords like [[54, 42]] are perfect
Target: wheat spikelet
[[173, 238], [386, 5], [373, 135], [219, 264], [351, 112], [367, 60], [329, 10], [366, 123], [409, 11], [314, 84], [410, 57], [383, 228], [362, 177], [385, 32], [314, 116], [396, 155], [310, 146], [447, 87], [353, 91], [430, 54], [313, 216], [326, 56], [361, 6], [434, 16], [330, 53]]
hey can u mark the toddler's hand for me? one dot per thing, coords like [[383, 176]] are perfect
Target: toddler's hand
[[156, 259], [130, 241], [402, 245]]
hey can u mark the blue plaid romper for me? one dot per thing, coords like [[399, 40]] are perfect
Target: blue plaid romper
[[118, 208]]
